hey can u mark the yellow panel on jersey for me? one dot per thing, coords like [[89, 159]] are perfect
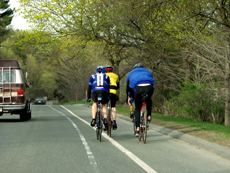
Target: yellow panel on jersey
[[113, 82]]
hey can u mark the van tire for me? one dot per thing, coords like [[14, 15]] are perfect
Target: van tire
[[28, 116], [25, 114]]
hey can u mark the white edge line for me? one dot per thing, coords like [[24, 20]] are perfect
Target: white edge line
[[132, 156], [88, 151]]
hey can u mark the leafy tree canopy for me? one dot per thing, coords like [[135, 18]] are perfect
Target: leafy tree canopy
[[6, 15]]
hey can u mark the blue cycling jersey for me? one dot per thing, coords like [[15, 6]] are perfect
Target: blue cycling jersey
[[99, 81]]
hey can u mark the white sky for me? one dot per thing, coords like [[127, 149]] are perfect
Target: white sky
[[18, 22]]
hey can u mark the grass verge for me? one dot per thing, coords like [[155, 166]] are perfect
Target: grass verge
[[204, 126]]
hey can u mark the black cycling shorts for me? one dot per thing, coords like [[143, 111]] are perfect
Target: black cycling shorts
[[103, 94], [113, 98]]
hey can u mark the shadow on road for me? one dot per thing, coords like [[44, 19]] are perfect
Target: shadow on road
[[10, 120]]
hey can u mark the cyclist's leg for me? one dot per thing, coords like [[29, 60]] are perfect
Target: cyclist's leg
[[114, 118], [130, 108], [104, 101], [131, 94], [149, 91], [94, 108], [104, 110], [129, 102], [113, 105]]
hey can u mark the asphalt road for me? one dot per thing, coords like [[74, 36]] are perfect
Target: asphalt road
[[59, 139]]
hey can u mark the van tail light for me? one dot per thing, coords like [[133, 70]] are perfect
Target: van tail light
[[43, 100], [20, 93]]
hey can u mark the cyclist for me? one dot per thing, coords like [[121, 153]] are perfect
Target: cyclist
[[99, 84], [140, 80], [113, 92]]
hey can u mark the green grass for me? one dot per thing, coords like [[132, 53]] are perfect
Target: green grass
[[195, 123], [124, 110]]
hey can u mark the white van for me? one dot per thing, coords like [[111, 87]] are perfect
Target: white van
[[14, 90]]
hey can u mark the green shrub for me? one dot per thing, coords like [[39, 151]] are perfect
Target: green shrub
[[197, 101]]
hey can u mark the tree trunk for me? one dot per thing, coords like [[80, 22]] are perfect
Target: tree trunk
[[227, 87]]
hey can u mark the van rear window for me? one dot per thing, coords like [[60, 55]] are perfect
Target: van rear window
[[7, 76]]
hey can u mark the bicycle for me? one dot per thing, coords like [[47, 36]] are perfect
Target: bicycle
[[143, 119], [99, 123], [109, 118]]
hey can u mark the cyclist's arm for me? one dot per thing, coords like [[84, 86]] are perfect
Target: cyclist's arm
[[89, 91], [90, 87], [130, 104], [129, 91], [118, 85], [127, 88]]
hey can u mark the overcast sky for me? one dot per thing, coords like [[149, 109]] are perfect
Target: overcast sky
[[18, 22]]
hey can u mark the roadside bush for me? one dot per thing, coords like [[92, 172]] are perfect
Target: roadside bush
[[197, 101]]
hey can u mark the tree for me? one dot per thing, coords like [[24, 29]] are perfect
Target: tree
[[6, 15], [73, 66], [165, 34], [215, 14], [121, 24]]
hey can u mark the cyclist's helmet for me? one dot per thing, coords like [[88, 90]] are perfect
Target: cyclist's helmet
[[109, 69], [138, 65], [100, 69], [104, 70]]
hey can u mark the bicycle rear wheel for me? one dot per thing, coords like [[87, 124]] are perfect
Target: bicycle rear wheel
[[109, 122]]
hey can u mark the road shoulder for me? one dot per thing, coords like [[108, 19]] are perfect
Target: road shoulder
[[199, 142]]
